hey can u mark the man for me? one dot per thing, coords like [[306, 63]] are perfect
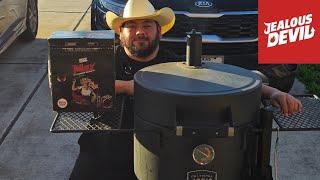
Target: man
[[140, 37], [105, 156]]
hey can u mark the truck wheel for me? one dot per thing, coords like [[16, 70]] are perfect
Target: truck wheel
[[93, 15], [31, 21]]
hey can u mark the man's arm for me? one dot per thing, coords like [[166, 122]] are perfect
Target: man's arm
[[285, 101], [124, 87]]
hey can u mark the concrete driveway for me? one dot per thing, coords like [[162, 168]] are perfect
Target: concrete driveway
[[29, 151]]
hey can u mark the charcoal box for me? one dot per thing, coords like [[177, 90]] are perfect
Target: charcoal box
[[81, 70]]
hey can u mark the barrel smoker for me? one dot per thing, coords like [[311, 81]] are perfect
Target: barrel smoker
[[200, 121]]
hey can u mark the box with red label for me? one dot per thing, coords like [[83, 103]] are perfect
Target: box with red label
[[81, 70]]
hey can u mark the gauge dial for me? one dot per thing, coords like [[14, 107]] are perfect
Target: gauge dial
[[203, 154]]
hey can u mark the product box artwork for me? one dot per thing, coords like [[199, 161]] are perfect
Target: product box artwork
[[81, 70]]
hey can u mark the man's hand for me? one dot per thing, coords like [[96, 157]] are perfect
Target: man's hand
[[125, 87], [285, 101]]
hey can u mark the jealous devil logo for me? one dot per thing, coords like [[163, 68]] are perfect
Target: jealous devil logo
[[289, 30]]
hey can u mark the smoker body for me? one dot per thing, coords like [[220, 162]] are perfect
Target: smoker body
[[179, 108]]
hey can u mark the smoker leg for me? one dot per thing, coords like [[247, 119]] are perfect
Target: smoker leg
[[268, 175], [265, 170], [258, 146]]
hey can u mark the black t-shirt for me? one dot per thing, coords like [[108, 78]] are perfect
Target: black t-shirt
[[127, 67]]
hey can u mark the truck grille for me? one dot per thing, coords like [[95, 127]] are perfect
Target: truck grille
[[227, 26], [217, 48]]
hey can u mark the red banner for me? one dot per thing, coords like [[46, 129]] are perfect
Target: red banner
[[289, 32]]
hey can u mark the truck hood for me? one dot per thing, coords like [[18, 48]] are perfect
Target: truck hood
[[207, 6]]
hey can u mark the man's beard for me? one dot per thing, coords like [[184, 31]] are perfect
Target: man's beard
[[141, 52]]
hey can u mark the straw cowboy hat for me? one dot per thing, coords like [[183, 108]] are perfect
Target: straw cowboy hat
[[141, 9]]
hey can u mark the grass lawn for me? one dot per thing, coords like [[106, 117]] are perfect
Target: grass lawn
[[310, 76]]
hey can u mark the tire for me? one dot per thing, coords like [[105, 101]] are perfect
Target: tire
[[31, 21], [93, 14], [280, 76]]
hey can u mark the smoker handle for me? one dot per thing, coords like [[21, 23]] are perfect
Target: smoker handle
[[223, 131], [214, 132]]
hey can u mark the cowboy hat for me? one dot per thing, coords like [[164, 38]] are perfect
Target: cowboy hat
[[141, 9]]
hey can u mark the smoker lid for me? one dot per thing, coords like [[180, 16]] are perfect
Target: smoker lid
[[210, 79]]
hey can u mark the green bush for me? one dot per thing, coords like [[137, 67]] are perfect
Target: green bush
[[310, 76]]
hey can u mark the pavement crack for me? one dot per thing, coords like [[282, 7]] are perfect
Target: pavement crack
[[82, 17]]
